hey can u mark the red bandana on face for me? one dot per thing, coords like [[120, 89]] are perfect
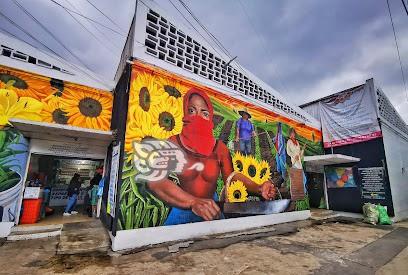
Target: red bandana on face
[[197, 131]]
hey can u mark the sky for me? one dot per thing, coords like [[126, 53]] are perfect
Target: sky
[[305, 49]]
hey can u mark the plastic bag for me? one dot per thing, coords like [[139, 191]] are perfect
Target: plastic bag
[[370, 213], [382, 215]]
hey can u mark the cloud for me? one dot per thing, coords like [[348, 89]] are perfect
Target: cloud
[[304, 49]]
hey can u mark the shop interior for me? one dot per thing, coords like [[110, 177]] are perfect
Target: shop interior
[[46, 189]]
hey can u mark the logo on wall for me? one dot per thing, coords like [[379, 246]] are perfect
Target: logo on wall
[[155, 159]]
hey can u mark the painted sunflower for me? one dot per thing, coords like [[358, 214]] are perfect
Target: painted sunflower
[[144, 92], [238, 162], [169, 120], [87, 109], [264, 171], [25, 85], [237, 192], [13, 107], [173, 91], [53, 110]]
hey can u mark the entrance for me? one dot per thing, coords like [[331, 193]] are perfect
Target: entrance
[[46, 189], [315, 189]]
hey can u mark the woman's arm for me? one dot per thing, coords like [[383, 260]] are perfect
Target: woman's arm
[[172, 194]]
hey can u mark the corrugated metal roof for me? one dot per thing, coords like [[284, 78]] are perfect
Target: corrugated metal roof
[[18, 54]]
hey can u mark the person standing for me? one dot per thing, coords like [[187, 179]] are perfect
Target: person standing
[[294, 150], [244, 133], [73, 192], [296, 154]]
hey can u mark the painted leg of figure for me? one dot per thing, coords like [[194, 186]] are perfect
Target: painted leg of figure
[[242, 146], [248, 147]]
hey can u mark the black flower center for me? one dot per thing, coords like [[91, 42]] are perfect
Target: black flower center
[[172, 91], [59, 116], [166, 121], [18, 82], [90, 107], [144, 99], [239, 165], [252, 170], [263, 172], [237, 194]]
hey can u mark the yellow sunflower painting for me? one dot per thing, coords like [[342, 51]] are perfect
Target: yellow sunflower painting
[[53, 110], [25, 84], [173, 91], [87, 109], [237, 192]]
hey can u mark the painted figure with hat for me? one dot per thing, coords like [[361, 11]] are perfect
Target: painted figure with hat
[[245, 131]]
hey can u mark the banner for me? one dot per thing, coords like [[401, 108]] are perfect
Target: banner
[[349, 117]]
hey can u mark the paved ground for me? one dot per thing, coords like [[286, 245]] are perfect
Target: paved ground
[[327, 248]]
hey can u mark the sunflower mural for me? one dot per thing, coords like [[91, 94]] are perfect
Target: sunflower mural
[[155, 111], [37, 98]]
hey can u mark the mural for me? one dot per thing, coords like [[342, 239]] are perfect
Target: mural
[[13, 160], [37, 98], [195, 154]]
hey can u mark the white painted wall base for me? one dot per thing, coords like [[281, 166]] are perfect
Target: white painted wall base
[[5, 228], [130, 239]]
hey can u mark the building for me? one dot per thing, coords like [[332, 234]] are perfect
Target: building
[[163, 62], [184, 135], [362, 123], [55, 120]]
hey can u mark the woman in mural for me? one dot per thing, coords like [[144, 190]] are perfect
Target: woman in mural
[[296, 153], [194, 199]]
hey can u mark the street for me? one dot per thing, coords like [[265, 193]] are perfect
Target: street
[[328, 247]]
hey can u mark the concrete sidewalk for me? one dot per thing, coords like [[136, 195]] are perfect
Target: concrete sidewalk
[[318, 247]]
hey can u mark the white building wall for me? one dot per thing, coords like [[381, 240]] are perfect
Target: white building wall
[[396, 153]]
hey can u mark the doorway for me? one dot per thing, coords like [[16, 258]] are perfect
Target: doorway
[[46, 185]]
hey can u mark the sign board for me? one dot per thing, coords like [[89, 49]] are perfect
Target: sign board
[[297, 190], [59, 196], [349, 117], [113, 180], [67, 149], [372, 183]]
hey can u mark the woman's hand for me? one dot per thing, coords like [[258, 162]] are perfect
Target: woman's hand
[[268, 190], [206, 209]]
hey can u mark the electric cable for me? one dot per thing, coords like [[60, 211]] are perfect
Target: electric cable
[[398, 51], [88, 18], [100, 11], [405, 6], [50, 33]]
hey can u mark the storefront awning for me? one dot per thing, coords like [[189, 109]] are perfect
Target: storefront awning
[[59, 132], [322, 160]]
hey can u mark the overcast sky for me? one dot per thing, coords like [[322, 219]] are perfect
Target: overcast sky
[[305, 49]]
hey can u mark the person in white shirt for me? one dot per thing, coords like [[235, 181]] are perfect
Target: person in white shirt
[[294, 151]]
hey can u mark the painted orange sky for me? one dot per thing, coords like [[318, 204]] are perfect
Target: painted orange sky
[[257, 113]]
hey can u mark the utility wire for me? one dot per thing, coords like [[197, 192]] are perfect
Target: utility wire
[[260, 37], [89, 31], [405, 6], [205, 29], [398, 52], [216, 41], [57, 56], [50, 33], [193, 27], [88, 18], [113, 22]]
